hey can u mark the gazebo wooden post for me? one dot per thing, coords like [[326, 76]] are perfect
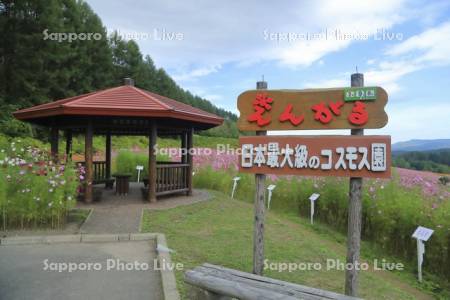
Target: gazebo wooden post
[[183, 147], [68, 145], [54, 139], [88, 155], [152, 163], [108, 155], [190, 143]]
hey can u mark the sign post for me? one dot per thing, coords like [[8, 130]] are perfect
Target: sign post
[[139, 169], [270, 188], [313, 199], [354, 213], [260, 197], [422, 234], [235, 181]]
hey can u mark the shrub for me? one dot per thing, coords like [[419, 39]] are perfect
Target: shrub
[[126, 162], [444, 180], [34, 190]]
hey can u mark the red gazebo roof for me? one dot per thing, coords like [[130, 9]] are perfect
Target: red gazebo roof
[[122, 101]]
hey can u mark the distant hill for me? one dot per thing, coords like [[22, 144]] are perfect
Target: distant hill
[[437, 161], [421, 145]]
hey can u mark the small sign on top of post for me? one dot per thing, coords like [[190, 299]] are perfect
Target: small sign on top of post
[[360, 93], [313, 199], [235, 181], [139, 169], [421, 234], [270, 188]]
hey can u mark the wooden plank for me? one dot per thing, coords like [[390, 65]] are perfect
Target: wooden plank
[[228, 288], [302, 102], [275, 282], [161, 193], [242, 285], [314, 145]]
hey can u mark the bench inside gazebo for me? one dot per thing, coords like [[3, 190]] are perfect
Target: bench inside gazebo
[[125, 110]]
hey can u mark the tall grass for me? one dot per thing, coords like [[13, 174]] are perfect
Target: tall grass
[[34, 191], [126, 162], [391, 212]]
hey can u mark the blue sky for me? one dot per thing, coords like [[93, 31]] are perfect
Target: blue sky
[[223, 48]]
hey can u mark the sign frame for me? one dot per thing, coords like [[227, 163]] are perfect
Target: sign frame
[[314, 146], [320, 109]]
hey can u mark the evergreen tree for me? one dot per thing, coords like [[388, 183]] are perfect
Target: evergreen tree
[[35, 68]]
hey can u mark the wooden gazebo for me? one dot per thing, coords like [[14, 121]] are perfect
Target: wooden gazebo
[[125, 110]]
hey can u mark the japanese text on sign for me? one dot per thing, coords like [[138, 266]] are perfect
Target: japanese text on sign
[[312, 109], [324, 156]]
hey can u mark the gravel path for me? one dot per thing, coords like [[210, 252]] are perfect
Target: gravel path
[[122, 214]]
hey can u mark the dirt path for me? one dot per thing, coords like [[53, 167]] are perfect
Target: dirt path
[[122, 214]]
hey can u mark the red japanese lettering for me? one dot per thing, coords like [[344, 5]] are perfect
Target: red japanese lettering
[[336, 107], [323, 113], [261, 104], [359, 115], [287, 115]]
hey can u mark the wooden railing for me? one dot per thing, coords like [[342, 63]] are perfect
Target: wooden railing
[[171, 177], [99, 170]]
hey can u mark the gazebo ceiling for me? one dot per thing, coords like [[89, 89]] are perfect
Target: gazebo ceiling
[[124, 109]]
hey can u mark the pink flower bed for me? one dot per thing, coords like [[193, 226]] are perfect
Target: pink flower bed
[[427, 181]]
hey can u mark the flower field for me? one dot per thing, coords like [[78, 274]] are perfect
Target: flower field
[[34, 191], [392, 209]]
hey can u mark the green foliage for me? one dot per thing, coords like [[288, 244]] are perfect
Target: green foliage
[[34, 191], [391, 212], [437, 161], [35, 69], [126, 162], [227, 129], [444, 180]]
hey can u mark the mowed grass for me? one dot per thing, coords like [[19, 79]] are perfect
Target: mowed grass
[[219, 231]]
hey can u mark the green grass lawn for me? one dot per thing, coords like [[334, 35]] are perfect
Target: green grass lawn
[[219, 231]]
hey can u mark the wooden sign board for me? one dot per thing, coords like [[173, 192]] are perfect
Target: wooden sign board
[[337, 108], [345, 156]]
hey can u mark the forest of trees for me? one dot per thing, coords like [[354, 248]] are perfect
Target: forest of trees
[[34, 70], [435, 160]]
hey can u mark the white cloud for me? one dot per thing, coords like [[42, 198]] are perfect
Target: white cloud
[[426, 49], [421, 120], [430, 46], [217, 33], [340, 82], [195, 73]]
